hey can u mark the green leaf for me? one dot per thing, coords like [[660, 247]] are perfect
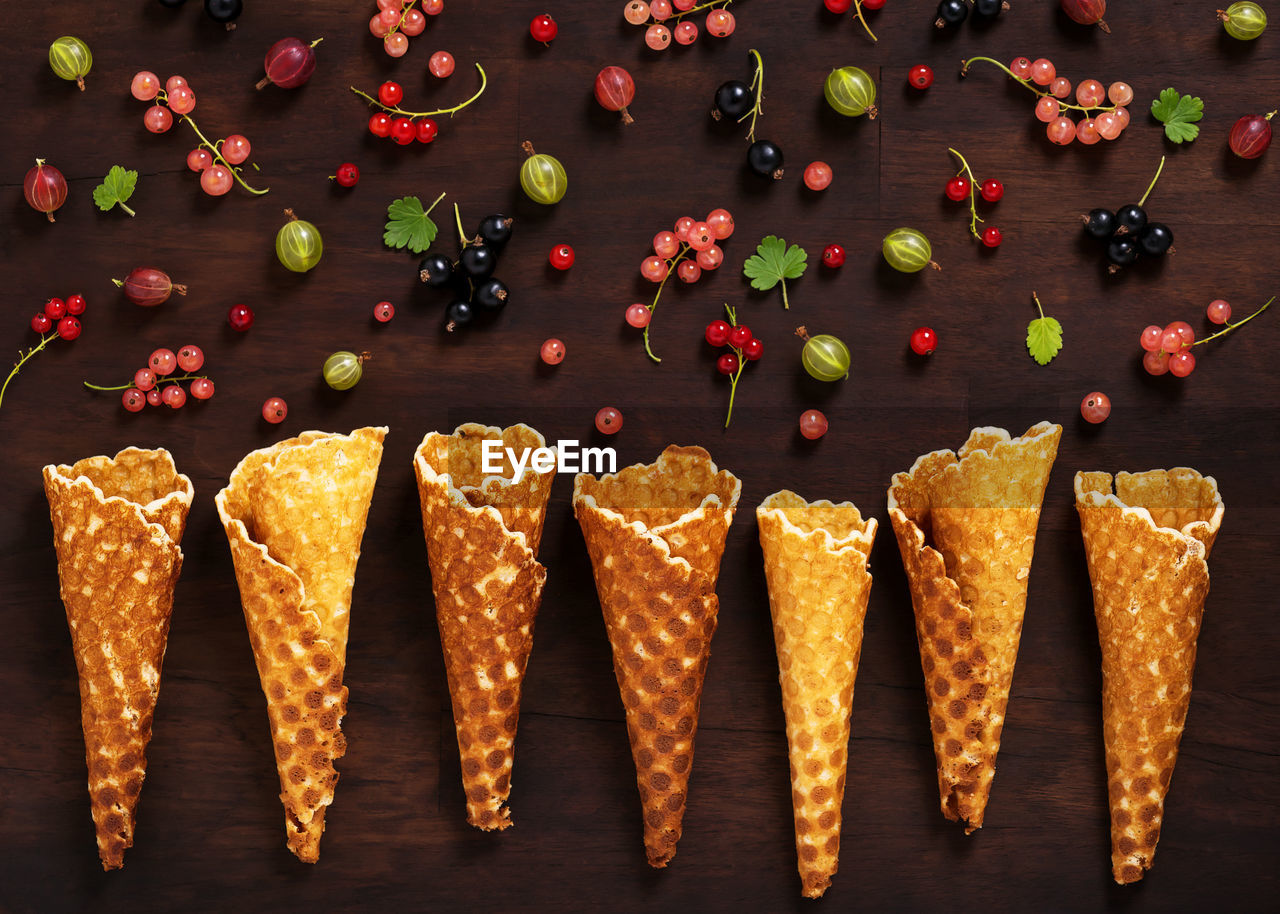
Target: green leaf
[[773, 263], [409, 226], [116, 188], [1044, 339], [1178, 113]]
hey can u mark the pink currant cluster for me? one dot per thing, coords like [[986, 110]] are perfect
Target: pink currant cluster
[[743, 348], [396, 21], [59, 319], [664, 20], [218, 164], [155, 384], [1168, 349]]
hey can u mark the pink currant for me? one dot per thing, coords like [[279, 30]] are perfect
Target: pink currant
[[608, 421], [274, 410], [552, 351], [383, 311], [638, 316]]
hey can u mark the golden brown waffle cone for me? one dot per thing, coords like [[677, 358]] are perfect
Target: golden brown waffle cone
[[1148, 551], [482, 533], [295, 514], [815, 561], [655, 534], [966, 528], [117, 523]]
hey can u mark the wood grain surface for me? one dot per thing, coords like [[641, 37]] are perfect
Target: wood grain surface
[[210, 824]]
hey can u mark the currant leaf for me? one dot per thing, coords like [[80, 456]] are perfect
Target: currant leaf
[[116, 188], [1178, 113], [773, 263], [409, 225]]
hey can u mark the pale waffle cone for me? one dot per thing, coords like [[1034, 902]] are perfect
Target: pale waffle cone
[[482, 532], [295, 515], [655, 534], [966, 528], [815, 562], [1148, 551], [117, 524]]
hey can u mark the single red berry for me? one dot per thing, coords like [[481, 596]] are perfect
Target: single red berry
[[55, 308], [608, 421], [153, 397], [426, 130], [383, 311], [838, 6], [348, 175], [833, 256], [923, 340], [390, 93], [813, 424], [717, 333], [190, 358], [69, 327], [543, 28], [202, 388], [403, 131], [134, 400], [75, 304], [920, 77], [274, 410], [173, 396], [41, 323], [753, 349], [561, 257], [727, 363], [991, 236], [992, 190], [144, 379], [380, 124], [1095, 407], [872, 4], [739, 336], [958, 188], [240, 317]]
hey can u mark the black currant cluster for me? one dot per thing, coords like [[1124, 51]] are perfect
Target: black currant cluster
[[1127, 235], [224, 11], [470, 279], [954, 12], [737, 101]]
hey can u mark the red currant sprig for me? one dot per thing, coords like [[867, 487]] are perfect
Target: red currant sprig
[[963, 185], [1168, 348], [409, 124], [154, 385], [58, 320], [743, 348]]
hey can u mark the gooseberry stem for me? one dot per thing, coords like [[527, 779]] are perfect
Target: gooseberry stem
[[757, 86], [857, 14], [484, 81], [742, 363], [1152, 185], [1230, 326], [216, 149], [973, 189], [45, 341], [964, 71], [671, 266], [159, 381]]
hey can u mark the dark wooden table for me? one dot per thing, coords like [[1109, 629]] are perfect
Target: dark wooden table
[[210, 835]]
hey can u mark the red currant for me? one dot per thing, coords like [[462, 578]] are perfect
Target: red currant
[[833, 256], [561, 257], [69, 327], [552, 351], [608, 421], [813, 425], [838, 6], [153, 397], [383, 311], [274, 410], [173, 396], [348, 175], [1218, 312], [403, 131], [55, 308], [75, 304], [202, 388], [1095, 407], [426, 130], [390, 93], [543, 28], [41, 323], [727, 363], [992, 190], [873, 4], [923, 340], [958, 188], [240, 317], [739, 336], [920, 77], [163, 362], [1182, 363], [753, 349], [639, 315], [380, 124], [144, 379], [717, 333], [190, 358], [133, 400], [991, 236]]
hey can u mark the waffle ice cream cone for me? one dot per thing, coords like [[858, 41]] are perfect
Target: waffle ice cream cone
[[117, 524], [655, 534], [1148, 547], [295, 514], [482, 533], [815, 562], [966, 528]]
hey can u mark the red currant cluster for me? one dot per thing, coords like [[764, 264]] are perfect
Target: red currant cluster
[[58, 319], [1168, 349], [840, 7], [154, 385], [396, 21], [664, 20], [406, 126], [965, 185], [743, 348], [689, 249], [218, 164]]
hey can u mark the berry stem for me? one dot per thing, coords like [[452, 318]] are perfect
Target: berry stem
[[973, 189], [484, 82], [757, 86], [216, 149], [676, 17], [964, 71], [671, 266], [404, 12], [1036, 298], [857, 14], [159, 381], [1151, 186], [45, 341], [1230, 326], [457, 218], [742, 363]]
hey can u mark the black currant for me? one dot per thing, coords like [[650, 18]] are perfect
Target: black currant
[[1122, 251], [477, 261], [1155, 239], [491, 295], [765, 159], [459, 314], [223, 10], [734, 99], [1100, 224], [951, 12], [988, 9], [496, 230], [435, 270], [1131, 218]]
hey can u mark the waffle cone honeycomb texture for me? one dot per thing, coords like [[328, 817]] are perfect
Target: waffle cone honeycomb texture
[[294, 514], [655, 534], [1147, 544], [966, 528], [482, 532], [815, 562], [117, 525]]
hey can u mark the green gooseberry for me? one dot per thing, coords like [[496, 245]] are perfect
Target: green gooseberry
[[343, 369], [71, 59], [298, 244], [908, 250], [542, 177], [825, 357], [1244, 21], [851, 91]]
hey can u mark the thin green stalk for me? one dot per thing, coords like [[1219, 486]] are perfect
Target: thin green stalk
[[671, 267], [44, 341], [857, 14], [1230, 326], [757, 86], [973, 189], [1152, 185], [159, 381], [216, 149], [484, 82]]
